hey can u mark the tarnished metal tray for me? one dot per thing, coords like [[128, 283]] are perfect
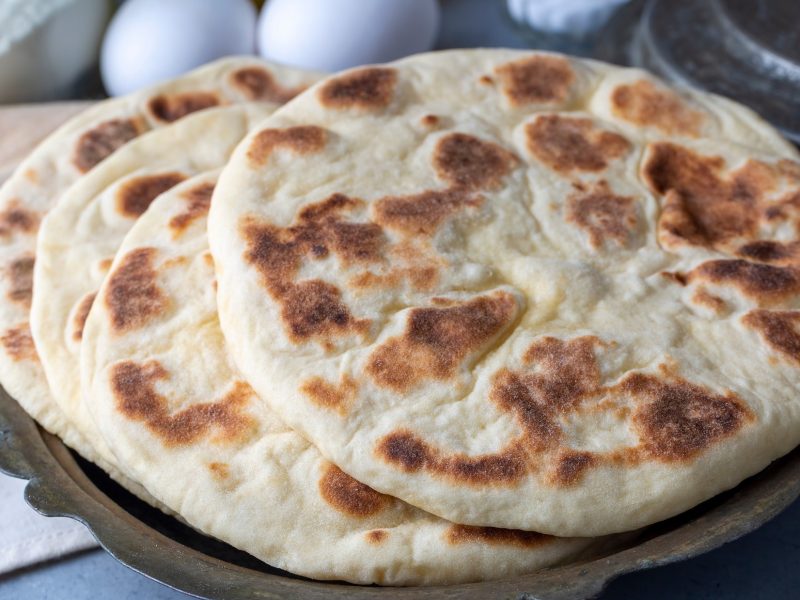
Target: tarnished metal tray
[[164, 549]]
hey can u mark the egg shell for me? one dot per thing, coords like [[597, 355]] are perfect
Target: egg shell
[[330, 35], [153, 40]]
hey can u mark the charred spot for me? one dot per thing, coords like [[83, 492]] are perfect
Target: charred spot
[[423, 213], [132, 294], [102, 140], [763, 283], [571, 467], [676, 276], [430, 120], [769, 251], [370, 89], [678, 420], [357, 242], [377, 536], [19, 274], [198, 201], [349, 496], [336, 397], [408, 452], [778, 329], [134, 388], [536, 80], [135, 195], [302, 139], [169, 108], [467, 162], [645, 104], [314, 309], [603, 215], [571, 143], [700, 206], [437, 340], [80, 315], [15, 218], [258, 84], [18, 343], [467, 534]]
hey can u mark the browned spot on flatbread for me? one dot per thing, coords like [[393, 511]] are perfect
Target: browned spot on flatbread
[[570, 467], [410, 453], [219, 470], [708, 300], [314, 309], [677, 420], [603, 215], [336, 397], [258, 84], [18, 342], [423, 213], [465, 161], [430, 120], [466, 534], [536, 80], [573, 143], [675, 276], [770, 251], [16, 218], [169, 108], [349, 496], [198, 201], [377, 536], [19, 274], [81, 313], [437, 340], [645, 104], [367, 89], [135, 195], [132, 294], [134, 388], [102, 140], [302, 139], [765, 284], [779, 329], [704, 206]]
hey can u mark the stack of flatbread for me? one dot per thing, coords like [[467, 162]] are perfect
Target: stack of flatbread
[[456, 318]]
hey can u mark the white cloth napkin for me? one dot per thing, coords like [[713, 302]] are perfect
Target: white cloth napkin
[[27, 537]]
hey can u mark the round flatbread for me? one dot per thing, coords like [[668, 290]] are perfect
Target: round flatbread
[[80, 236], [517, 289], [182, 421], [65, 156]]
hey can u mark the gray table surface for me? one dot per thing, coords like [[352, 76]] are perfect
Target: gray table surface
[[763, 564]]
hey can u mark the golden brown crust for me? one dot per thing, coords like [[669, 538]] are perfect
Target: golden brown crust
[[81, 313], [198, 201], [568, 144], [467, 534], [778, 328], [19, 275], [645, 104], [336, 397], [536, 80], [169, 108], [18, 343], [136, 195], [603, 215], [102, 140], [258, 84], [132, 294], [16, 218], [303, 139], [349, 496], [371, 88], [133, 385]]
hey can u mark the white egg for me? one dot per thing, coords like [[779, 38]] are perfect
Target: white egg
[[152, 40], [329, 35]]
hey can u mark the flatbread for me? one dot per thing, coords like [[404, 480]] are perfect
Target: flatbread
[[80, 235], [516, 289], [182, 421], [65, 156]]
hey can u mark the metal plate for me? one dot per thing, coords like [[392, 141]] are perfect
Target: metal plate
[[168, 551]]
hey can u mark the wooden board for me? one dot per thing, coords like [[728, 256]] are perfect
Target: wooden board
[[23, 126]]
